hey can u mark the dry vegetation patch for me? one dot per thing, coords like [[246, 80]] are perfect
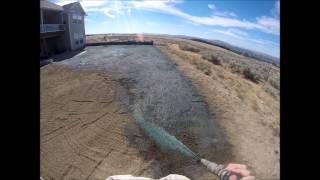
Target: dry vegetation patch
[[187, 47]]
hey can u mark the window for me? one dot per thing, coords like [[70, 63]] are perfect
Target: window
[[81, 38], [79, 19], [74, 18], [75, 35], [76, 38]]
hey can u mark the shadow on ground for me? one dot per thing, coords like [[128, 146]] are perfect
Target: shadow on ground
[[66, 55]]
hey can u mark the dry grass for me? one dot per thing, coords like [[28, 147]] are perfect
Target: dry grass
[[248, 74], [202, 66], [212, 58], [187, 47]]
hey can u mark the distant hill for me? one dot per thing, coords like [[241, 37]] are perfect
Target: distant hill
[[245, 52], [242, 51]]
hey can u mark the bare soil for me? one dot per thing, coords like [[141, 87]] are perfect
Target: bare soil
[[82, 125]]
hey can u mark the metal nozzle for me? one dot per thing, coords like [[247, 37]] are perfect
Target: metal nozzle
[[211, 166], [218, 170]]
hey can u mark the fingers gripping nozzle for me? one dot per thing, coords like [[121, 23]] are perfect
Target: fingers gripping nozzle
[[218, 170]]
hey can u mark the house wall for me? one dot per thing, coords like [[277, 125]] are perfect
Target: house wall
[[51, 17], [61, 43], [55, 45], [67, 40], [67, 33], [76, 27]]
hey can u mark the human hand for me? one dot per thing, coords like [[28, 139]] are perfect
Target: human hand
[[239, 169]]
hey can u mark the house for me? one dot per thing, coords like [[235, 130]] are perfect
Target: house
[[61, 28]]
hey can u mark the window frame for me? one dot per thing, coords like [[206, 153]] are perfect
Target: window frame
[[79, 19], [74, 18], [76, 38], [80, 35]]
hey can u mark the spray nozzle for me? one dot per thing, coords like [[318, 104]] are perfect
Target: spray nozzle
[[219, 170]]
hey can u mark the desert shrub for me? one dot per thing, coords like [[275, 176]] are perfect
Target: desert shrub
[[274, 83], [187, 47], [236, 68], [202, 67], [272, 91], [207, 72], [248, 74], [245, 54], [212, 58]]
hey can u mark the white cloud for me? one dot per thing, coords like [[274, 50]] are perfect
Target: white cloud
[[264, 42], [84, 3], [241, 35], [110, 8], [106, 22], [225, 14], [278, 7], [164, 6], [269, 24], [222, 21], [190, 22], [275, 11], [221, 13], [264, 24], [91, 3], [149, 23], [87, 19], [129, 11], [64, 2], [109, 12], [211, 6], [228, 33], [237, 31]]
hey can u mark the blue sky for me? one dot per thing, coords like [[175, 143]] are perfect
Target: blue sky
[[249, 24]]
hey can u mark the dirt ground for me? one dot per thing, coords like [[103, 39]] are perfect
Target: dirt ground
[[81, 126], [87, 131]]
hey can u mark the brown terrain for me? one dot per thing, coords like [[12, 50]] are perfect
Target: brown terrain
[[82, 126], [83, 121]]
